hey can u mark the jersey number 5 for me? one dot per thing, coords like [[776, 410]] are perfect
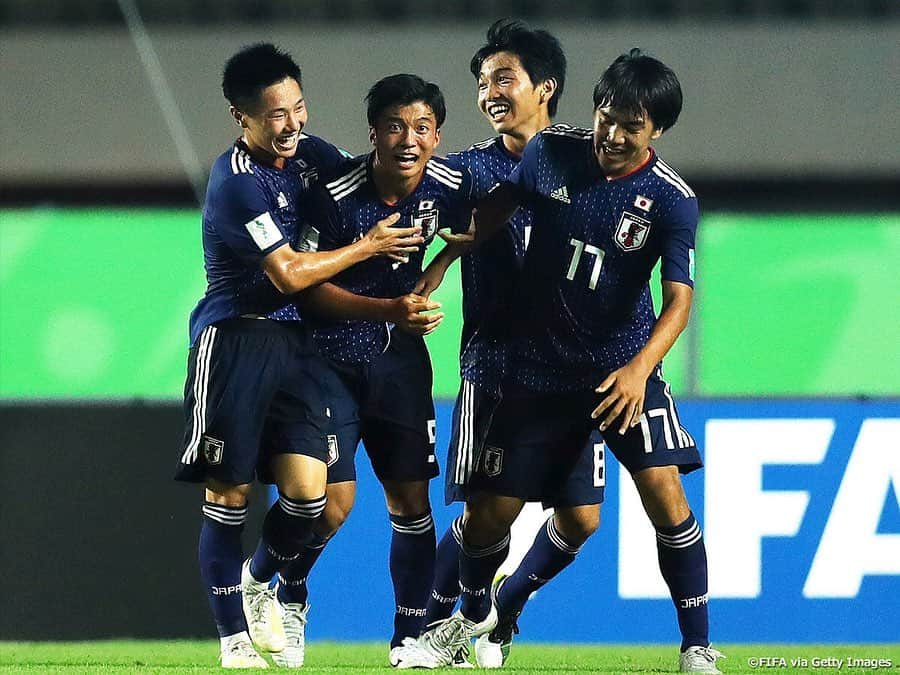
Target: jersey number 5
[[584, 250]]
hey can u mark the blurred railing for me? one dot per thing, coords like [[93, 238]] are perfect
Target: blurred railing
[[202, 12]]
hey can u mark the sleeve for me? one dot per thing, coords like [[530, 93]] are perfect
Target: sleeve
[[462, 201], [331, 157], [328, 226], [677, 253], [524, 177], [245, 221]]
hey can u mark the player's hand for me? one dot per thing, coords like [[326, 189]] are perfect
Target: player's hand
[[625, 389], [409, 314], [463, 238], [431, 278], [396, 243]]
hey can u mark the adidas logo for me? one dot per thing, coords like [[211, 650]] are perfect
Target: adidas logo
[[561, 194], [282, 200]]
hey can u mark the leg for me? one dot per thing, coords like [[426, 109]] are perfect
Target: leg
[[220, 555], [555, 547], [484, 546], [682, 560], [286, 530], [292, 587], [292, 590], [288, 524], [412, 554], [445, 588]]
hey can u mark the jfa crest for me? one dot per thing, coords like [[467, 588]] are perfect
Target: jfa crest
[[632, 232], [213, 449], [493, 461], [426, 217], [334, 452]]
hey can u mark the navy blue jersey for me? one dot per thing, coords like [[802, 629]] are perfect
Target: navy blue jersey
[[490, 272], [347, 208], [252, 209], [593, 246]]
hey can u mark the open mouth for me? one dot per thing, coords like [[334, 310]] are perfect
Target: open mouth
[[613, 152], [286, 143], [497, 111], [406, 160]]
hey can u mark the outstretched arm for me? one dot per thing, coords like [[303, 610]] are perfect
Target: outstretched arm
[[627, 385], [293, 271], [407, 311]]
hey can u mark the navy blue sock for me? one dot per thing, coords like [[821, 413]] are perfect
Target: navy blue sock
[[549, 555], [286, 529], [292, 578], [412, 572], [477, 567], [445, 589], [682, 561], [221, 557]]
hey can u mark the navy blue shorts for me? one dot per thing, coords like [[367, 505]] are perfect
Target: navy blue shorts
[[386, 403], [472, 417], [255, 388], [537, 440]]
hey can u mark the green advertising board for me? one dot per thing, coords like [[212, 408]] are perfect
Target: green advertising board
[[94, 305]]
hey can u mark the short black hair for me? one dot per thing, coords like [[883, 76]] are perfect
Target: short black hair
[[540, 53], [404, 89], [636, 82], [253, 69]]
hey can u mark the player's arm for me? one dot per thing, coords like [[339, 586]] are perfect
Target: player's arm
[[408, 312], [628, 384], [491, 213], [293, 271], [433, 275]]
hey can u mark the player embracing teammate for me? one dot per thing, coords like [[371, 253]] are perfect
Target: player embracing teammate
[[584, 352], [561, 341]]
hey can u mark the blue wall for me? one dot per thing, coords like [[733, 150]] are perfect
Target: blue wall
[[351, 591]]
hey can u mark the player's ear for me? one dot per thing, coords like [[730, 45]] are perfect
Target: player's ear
[[238, 117], [548, 88], [372, 135], [657, 132], [437, 137]]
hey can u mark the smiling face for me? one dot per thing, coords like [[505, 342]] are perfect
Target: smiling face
[[405, 137], [508, 98], [622, 139], [272, 129]]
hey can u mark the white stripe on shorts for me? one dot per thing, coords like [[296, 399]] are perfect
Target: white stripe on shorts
[[201, 387]]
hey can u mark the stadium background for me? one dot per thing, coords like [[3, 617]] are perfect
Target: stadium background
[[789, 373]]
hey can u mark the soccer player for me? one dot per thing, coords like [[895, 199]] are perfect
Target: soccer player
[[369, 326], [252, 381], [520, 74], [606, 209]]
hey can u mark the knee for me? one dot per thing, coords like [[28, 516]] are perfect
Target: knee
[[337, 510], [662, 496], [407, 499], [578, 524], [486, 521], [223, 494]]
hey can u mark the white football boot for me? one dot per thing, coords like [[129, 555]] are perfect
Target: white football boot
[[261, 612], [698, 659], [237, 652], [492, 649], [293, 618], [443, 643]]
